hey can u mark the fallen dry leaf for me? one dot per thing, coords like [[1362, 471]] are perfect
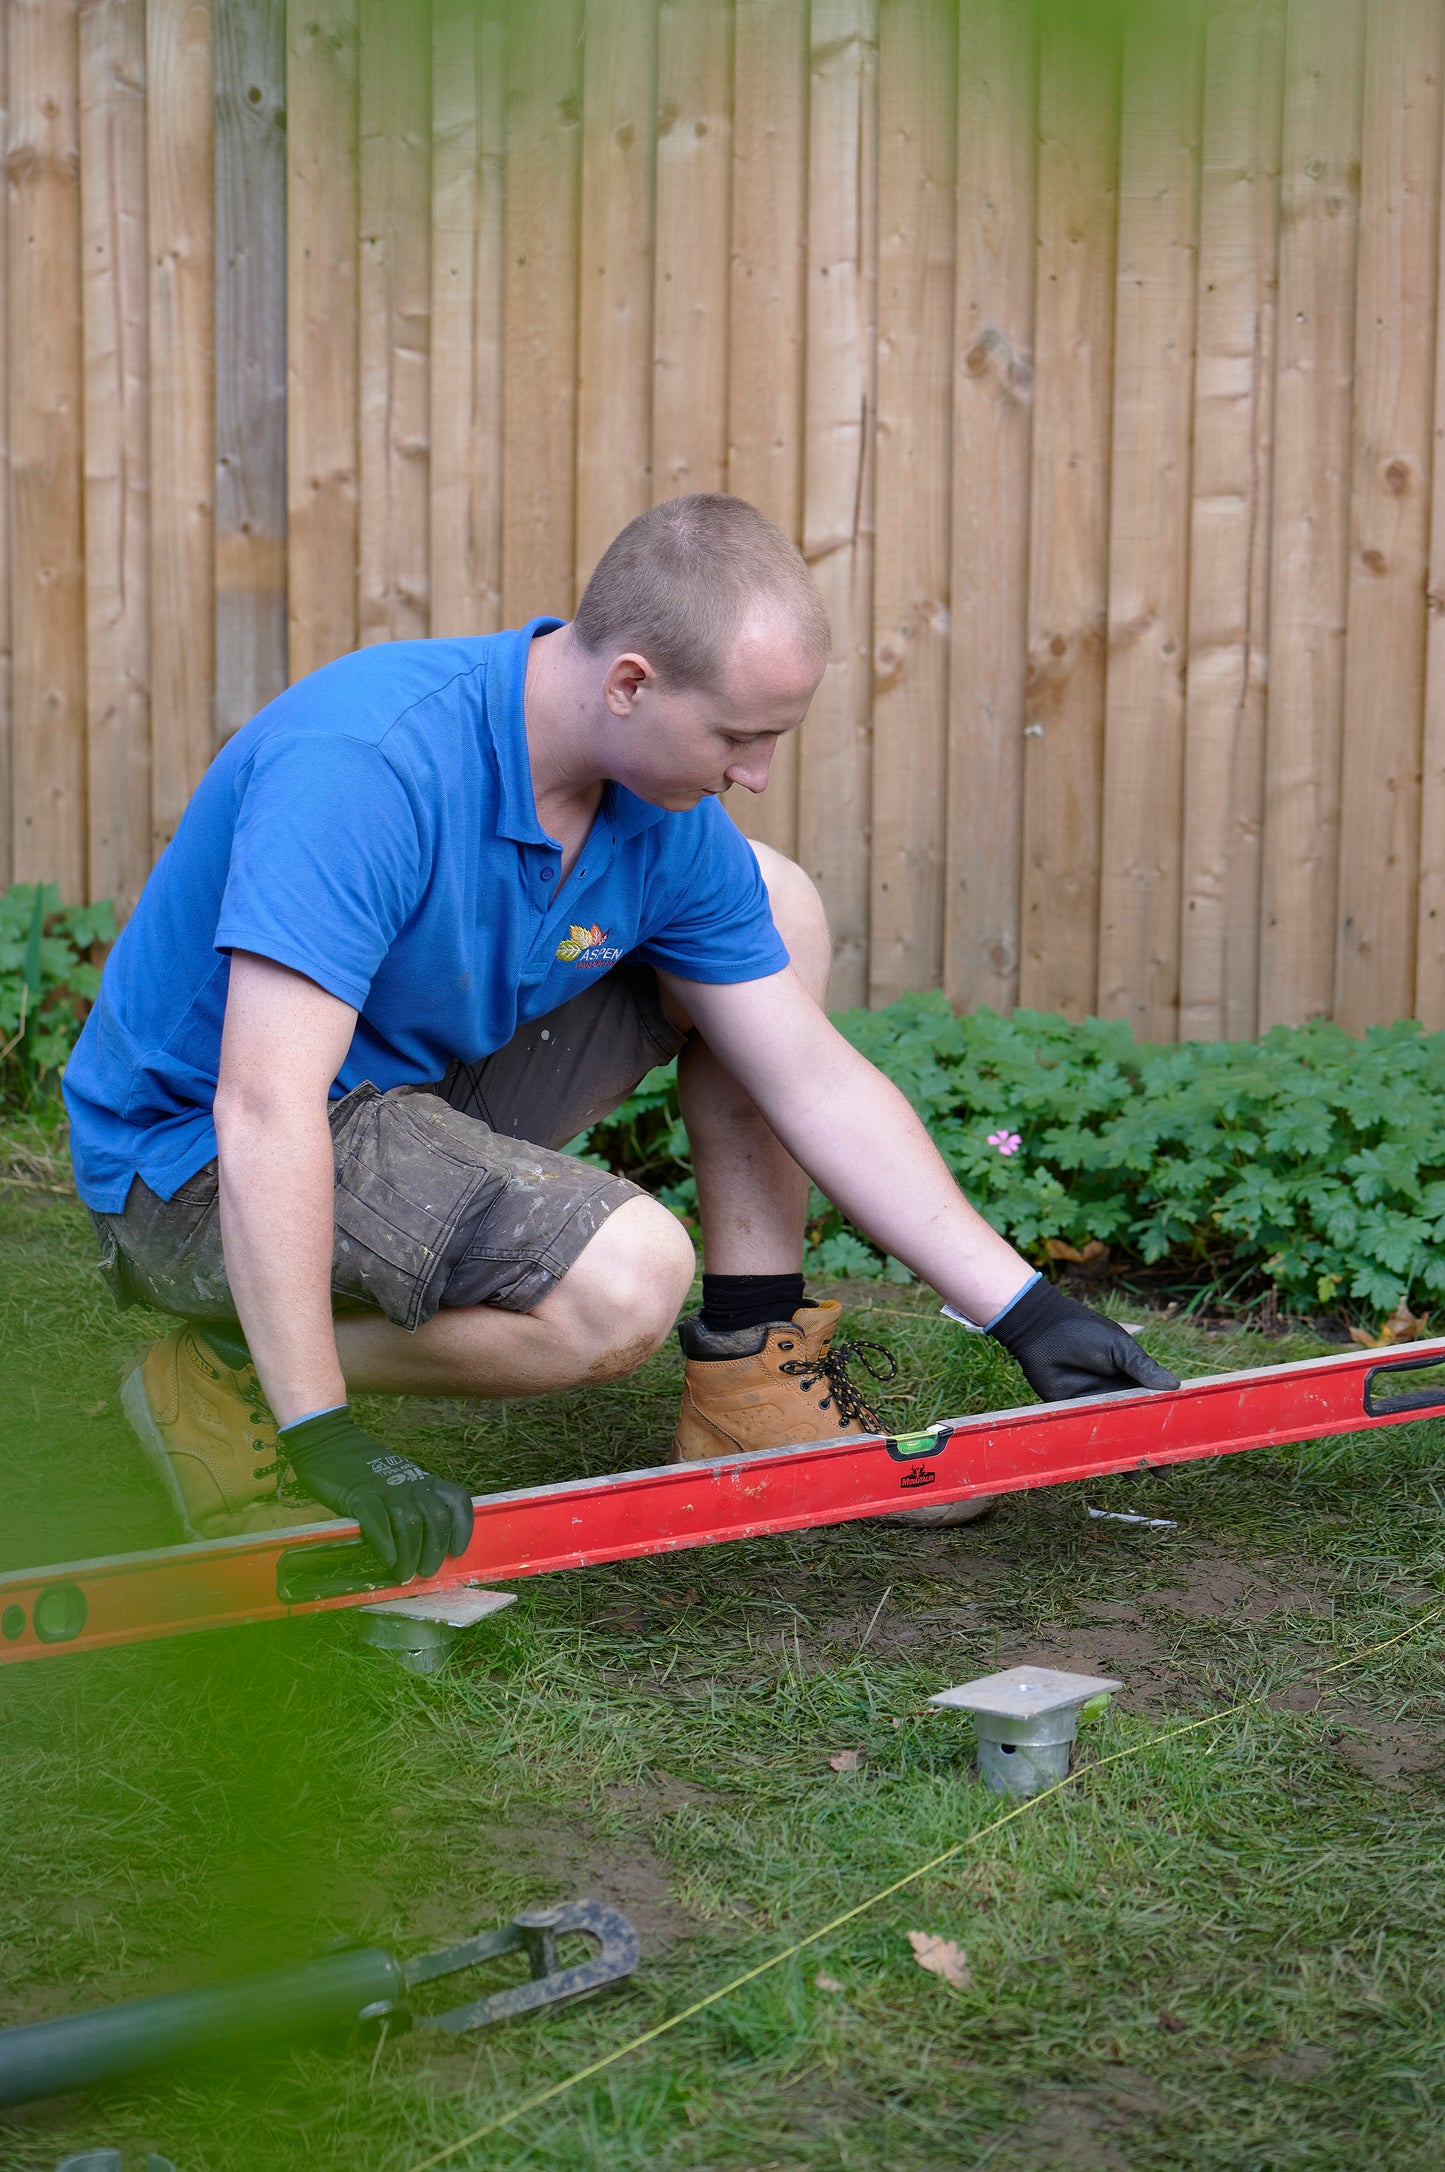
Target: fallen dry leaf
[[941, 1957], [1094, 1254], [1403, 1325], [1173, 2024], [827, 1983], [96, 1410], [846, 1761]]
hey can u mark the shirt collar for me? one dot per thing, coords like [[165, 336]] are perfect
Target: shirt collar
[[506, 682], [622, 811], [625, 814]]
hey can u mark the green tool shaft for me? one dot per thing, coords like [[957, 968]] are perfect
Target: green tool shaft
[[45, 2057]]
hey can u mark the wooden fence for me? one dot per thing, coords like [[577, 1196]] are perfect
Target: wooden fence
[[1089, 352]]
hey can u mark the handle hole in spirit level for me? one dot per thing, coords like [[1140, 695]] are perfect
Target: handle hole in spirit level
[[12, 1623], [331, 1569], [1428, 1393], [60, 1611]]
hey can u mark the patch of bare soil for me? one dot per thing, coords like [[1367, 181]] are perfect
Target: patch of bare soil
[[1386, 1751], [1084, 2128], [1137, 1637], [1214, 1588], [571, 1861]]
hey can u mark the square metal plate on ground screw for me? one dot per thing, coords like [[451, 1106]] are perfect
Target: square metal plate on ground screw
[[1025, 1719], [418, 1634]]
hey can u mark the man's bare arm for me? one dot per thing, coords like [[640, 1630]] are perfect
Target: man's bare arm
[[861, 1142], [284, 1041], [856, 1136]]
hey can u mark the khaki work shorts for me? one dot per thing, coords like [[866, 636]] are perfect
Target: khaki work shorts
[[449, 1194]]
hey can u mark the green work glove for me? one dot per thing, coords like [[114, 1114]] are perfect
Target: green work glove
[[409, 1518]]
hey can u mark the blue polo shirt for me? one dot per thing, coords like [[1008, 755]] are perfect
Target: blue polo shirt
[[375, 829]]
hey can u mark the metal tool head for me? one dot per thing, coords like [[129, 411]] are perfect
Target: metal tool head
[[536, 1932]]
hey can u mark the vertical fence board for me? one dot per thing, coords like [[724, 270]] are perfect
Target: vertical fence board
[[47, 574], [1319, 195], [1229, 523], [250, 39], [834, 768], [181, 216], [321, 293], [114, 287], [992, 412], [468, 155], [1430, 945], [766, 310], [916, 100], [690, 294], [394, 150], [614, 284], [1149, 523], [1389, 515], [1069, 510], [540, 395]]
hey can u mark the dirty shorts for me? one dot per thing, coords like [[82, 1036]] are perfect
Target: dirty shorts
[[446, 1194]]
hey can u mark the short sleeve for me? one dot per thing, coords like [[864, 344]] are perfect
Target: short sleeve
[[718, 925], [326, 863]]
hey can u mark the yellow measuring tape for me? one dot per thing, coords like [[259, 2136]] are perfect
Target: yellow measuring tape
[[850, 1915]]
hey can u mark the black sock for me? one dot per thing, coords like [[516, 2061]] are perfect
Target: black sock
[[733, 1301], [225, 1340]]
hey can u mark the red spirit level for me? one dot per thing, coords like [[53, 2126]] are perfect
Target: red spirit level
[[220, 1582]]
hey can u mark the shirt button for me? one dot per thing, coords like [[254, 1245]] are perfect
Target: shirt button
[[546, 874]]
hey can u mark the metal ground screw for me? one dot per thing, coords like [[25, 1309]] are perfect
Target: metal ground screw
[[1026, 1719], [418, 1634]]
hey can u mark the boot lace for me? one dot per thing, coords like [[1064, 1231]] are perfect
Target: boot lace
[[832, 1367], [249, 1385]]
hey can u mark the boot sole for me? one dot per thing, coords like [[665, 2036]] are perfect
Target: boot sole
[[134, 1403]]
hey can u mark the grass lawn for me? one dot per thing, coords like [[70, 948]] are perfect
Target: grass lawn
[[1221, 1953]]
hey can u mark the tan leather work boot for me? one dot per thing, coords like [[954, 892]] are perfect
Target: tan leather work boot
[[778, 1386], [212, 1441]]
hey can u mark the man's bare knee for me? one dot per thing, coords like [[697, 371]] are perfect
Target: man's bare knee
[[799, 916], [618, 1301]]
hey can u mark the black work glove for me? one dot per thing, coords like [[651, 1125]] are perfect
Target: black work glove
[[407, 1516], [1066, 1350]]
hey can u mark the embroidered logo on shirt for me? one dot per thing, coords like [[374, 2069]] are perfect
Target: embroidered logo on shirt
[[586, 947]]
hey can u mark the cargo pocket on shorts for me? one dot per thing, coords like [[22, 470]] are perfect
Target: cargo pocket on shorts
[[408, 1179]]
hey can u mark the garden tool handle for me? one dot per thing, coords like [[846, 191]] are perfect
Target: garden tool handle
[[43, 2058]]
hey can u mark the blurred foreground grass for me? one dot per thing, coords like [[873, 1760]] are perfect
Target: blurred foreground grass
[[1221, 1953]]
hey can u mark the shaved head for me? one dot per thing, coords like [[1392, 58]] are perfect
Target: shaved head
[[679, 583]]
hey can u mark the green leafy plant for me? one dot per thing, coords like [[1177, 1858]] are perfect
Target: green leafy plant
[[47, 983], [1307, 1161]]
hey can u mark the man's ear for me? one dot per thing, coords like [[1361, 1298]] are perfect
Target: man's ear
[[628, 677]]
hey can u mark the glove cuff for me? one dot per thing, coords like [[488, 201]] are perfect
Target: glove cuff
[[323, 1429], [1039, 1308]]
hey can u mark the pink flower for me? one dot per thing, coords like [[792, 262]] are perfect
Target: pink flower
[[1007, 1142]]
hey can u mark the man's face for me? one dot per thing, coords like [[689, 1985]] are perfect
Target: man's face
[[673, 748]]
